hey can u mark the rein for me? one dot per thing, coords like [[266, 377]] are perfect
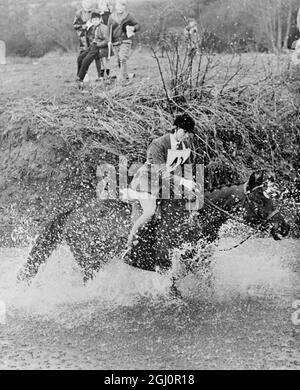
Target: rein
[[245, 199]]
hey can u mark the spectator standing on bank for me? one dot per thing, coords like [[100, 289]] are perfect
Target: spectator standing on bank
[[192, 37], [105, 9], [97, 33], [82, 24], [122, 26]]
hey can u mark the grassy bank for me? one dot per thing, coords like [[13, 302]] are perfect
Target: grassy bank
[[53, 137]]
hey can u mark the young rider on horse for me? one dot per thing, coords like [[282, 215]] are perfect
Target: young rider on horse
[[158, 157]]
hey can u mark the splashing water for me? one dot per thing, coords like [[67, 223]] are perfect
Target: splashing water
[[126, 319], [59, 282]]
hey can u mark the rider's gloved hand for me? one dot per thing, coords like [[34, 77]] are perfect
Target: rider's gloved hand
[[189, 184]]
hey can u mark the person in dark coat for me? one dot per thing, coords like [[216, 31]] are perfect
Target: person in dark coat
[[81, 24], [98, 49]]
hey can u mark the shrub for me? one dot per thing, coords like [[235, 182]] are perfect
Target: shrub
[[50, 149]]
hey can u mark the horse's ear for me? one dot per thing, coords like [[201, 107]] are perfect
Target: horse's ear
[[256, 179]]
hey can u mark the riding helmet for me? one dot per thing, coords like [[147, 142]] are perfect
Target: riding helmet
[[185, 122]]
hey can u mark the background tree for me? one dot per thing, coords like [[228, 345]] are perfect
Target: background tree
[[273, 22], [37, 26], [51, 27]]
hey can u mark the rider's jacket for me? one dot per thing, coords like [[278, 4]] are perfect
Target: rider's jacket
[[152, 176]]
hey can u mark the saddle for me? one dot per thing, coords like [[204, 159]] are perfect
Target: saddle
[[131, 196]]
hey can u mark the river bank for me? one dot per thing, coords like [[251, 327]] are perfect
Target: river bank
[[53, 136]]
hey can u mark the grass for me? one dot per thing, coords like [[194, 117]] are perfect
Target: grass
[[53, 136], [25, 77]]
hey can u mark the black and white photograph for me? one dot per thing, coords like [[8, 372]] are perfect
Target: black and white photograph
[[149, 187]]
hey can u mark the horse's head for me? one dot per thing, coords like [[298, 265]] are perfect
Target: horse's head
[[259, 207]]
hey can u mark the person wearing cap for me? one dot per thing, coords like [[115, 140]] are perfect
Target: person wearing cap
[[81, 24], [98, 49], [144, 187]]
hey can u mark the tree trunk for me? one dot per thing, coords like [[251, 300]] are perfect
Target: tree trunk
[[197, 7], [288, 25], [266, 16], [272, 5], [269, 19], [279, 25], [163, 19]]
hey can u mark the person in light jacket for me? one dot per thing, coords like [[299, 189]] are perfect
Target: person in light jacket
[[122, 26]]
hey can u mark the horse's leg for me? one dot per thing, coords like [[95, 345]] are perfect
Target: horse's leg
[[45, 244], [149, 207], [207, 267], [174, 291], [88, 256], [87, 266], [207, 253]]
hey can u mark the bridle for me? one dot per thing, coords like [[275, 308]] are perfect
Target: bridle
[[251, 203], [245, 199]]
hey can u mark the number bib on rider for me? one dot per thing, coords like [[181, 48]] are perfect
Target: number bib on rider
[[176, 158]]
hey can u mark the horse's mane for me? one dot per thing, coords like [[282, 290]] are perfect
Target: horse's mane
[[220, 177], [223, 192]]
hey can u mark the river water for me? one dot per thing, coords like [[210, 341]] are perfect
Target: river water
[[125, 318]]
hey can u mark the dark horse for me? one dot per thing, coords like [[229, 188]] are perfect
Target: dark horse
[[98, 231]]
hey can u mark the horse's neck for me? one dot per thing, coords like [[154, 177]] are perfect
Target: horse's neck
[[227, 197]]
